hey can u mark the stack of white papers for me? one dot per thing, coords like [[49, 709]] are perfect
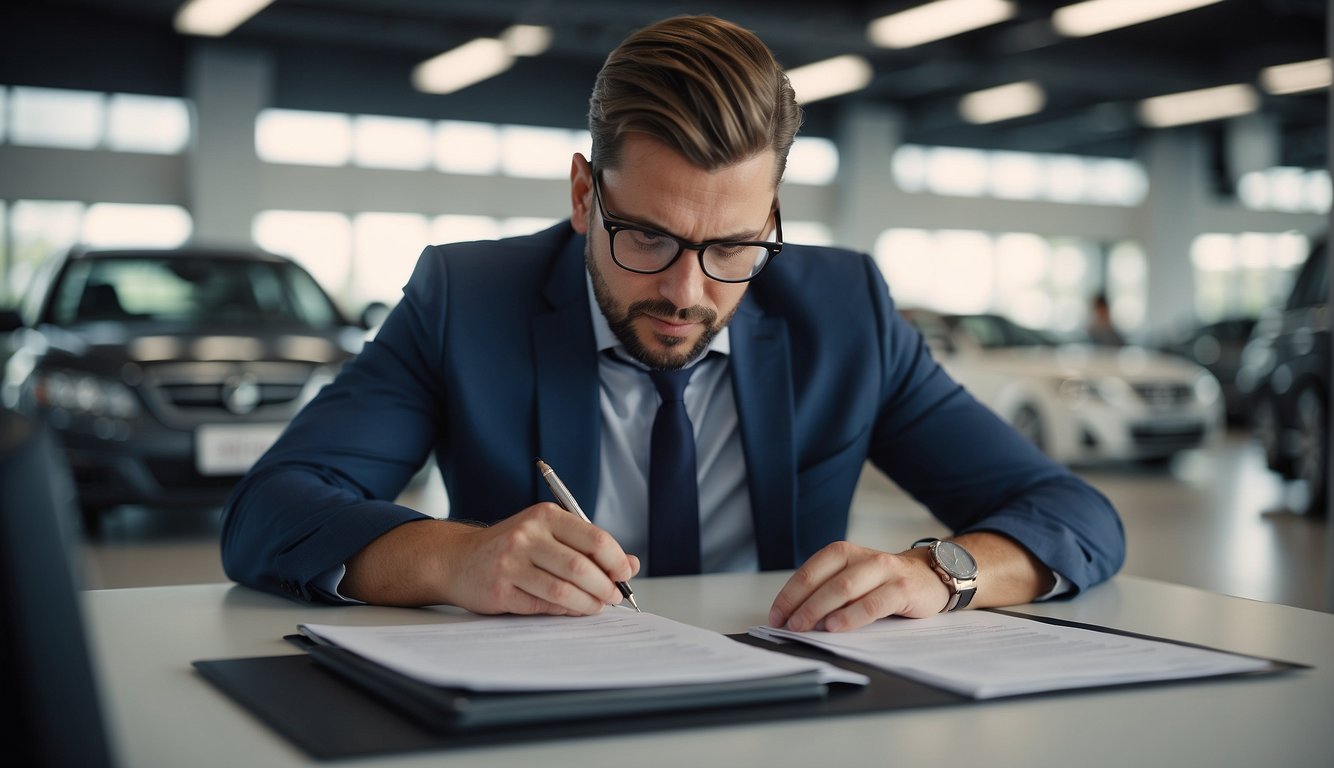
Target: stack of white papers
[[983, 655], [616, 649]]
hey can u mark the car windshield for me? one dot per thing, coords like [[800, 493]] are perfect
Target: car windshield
[[990, 332], [195, 289]]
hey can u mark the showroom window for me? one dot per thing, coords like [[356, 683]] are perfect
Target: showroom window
[[40, 229], [37, 230], [1239, 275], [538, 153], [111, 225], [1290, 190], [385, 247], [150, 124], [465, 147], [1127, 286], [303, 138], [320, 241], [50, 117], [811, 160], [391, 142], [1019, 175], [69, 119], [1037, 281]]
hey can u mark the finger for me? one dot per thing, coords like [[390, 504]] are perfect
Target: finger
[[599, 546], [884, 600], [852, 583], [542, 585], [809, 577], [573, 568]]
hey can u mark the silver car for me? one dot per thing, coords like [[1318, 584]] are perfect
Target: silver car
[[1078, 402]]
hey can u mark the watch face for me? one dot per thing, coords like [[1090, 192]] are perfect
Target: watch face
[[955, 560]]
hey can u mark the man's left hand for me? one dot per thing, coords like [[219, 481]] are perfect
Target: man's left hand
[[844, 586]]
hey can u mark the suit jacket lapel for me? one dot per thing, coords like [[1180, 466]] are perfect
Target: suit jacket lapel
[[762, 386], [567, 385]]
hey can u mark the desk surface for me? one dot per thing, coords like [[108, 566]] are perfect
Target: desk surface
[[163, 714]]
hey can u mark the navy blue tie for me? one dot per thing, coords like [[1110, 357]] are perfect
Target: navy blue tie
[[673, 497]]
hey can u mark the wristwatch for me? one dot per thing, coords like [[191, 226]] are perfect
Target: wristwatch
[[957, 569]]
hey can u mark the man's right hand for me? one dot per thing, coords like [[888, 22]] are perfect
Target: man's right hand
[[542, 560]]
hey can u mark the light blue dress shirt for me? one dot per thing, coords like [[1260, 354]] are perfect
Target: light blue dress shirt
[[629, 403]]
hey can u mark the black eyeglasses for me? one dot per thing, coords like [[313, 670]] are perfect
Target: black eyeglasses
[[647, 251]]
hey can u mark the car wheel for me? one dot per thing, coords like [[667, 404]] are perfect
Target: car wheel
[[1264, 425], [1313, 454], [91, 516], [1028, 422]]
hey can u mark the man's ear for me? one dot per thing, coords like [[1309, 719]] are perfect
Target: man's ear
[[581, 193]]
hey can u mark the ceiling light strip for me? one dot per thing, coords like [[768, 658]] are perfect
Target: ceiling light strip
[[830, 77], [936, 21], [1095, 16], [1199, 106], [1297, 77], [216, 18], [1004, 102]]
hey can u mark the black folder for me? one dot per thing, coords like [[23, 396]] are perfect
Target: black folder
[[328, 716], [338, 714], [449, 710]]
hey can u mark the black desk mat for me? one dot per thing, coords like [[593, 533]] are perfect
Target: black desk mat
[[330, 718]]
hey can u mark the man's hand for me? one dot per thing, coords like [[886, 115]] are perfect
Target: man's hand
[[844, 586], [542, 560]]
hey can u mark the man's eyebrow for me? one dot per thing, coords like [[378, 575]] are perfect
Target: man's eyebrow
[[740, 236]]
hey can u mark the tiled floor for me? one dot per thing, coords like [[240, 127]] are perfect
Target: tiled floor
[[1214, 519]]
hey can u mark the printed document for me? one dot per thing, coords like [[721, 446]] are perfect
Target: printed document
[[618, 648], [982, 654]]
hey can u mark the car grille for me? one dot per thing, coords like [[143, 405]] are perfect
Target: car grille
[[188, 394], [1164, 394], [1159, 437], [212, 396], [173, 474]]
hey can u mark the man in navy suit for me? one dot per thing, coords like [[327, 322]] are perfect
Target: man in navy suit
[[556, 345]]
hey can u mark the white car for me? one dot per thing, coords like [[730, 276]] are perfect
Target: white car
[[1079, 403]]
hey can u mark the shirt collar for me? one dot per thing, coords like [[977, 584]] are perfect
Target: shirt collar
[[606, 338]]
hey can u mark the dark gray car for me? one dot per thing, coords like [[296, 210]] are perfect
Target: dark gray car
[[1285, 376], [167, 373]]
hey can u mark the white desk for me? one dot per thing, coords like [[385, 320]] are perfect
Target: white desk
[[163, 714]]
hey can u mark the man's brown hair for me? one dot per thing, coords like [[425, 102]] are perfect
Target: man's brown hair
[[705, 87]]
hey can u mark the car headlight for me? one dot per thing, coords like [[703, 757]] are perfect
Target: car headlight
[[1111, 390], [317, 381], [1207, 390], [82, 393], [1076, 390]]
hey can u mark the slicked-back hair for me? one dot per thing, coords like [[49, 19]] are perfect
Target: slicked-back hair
[[703, 86]]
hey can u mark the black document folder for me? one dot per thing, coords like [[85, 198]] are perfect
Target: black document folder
[[439, 708], [328, 716]]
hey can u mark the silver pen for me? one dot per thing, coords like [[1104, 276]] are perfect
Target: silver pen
[[566, 500]]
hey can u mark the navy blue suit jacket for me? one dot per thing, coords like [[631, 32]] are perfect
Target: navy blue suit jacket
[[490, 360]]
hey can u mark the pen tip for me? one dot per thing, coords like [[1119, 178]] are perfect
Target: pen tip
[[633, 604]]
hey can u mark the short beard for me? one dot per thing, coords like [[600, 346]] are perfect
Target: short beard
[[622, 322]]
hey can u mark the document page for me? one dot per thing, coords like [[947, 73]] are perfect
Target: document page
[[984, 655], [618, 648]]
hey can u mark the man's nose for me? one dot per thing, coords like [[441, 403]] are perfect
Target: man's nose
[[683, 283]]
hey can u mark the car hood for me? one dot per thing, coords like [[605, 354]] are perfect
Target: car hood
[[1082, 361], [110, 345]]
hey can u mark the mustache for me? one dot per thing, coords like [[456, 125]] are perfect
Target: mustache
[[665, 309]]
